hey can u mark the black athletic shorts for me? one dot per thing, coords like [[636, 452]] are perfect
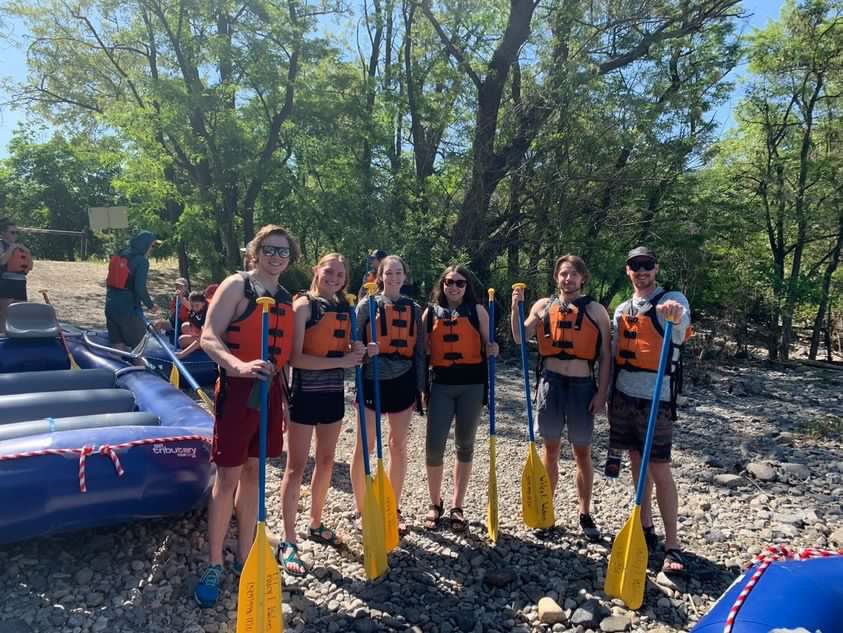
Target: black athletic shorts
[[397, 394]]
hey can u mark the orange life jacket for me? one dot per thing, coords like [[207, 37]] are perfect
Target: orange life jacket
[[184, 308], [639, 344], [328, 329], [20, 261], [454, 338], [118, 272], [243, 336], [396, 323], [568, 331]]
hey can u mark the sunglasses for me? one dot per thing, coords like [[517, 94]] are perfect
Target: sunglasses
[[459, 283], [641, 264], [275, 251]]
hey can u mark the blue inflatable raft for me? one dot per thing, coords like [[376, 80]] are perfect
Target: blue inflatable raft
[[794, 595], [95, 446]]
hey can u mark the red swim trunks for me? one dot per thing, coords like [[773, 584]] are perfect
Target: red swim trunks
[[236, 427]]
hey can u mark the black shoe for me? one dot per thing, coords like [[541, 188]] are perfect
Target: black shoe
[[589, 529]]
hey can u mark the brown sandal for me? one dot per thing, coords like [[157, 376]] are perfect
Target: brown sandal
[[457, 519], [434, 514]]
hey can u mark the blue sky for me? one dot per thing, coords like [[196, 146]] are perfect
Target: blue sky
[[14, 67]]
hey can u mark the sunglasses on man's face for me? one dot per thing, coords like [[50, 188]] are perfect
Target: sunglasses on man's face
[[275, 251], [641, 264], [459, 283]]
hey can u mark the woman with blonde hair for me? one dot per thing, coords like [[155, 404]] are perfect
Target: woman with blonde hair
[[401, 369], [322, 349]]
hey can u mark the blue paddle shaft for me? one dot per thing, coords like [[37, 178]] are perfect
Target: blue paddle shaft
[[654, 410], [525, 369], [375, 378], [361, 405], [176, 324], [492, 360], [263, 423], [171, 354]]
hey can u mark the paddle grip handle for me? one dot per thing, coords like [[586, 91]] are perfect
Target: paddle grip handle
[[492, 362], [361, 405], [525, 365], [654, 410], [371, 287]]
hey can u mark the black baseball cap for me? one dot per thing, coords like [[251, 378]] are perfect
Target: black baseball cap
[[641, 251], [377, 254]]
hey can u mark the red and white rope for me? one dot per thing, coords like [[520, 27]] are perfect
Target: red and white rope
[[764, 560], [106, 450]]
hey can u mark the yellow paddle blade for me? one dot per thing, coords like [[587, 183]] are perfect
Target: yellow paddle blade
[[386, 502], [259, 601], [536, 498], [492, 506], [174, 375], [627, 573], [374, 547], [209, 404], [73, 364]]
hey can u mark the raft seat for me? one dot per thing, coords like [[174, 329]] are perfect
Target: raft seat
[[73, 423], [56, 380], [23, 407], [31, 320]]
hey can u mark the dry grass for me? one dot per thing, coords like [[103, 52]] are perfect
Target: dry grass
[[77, 289]]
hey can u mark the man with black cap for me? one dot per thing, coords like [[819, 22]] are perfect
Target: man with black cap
[[638, 332], [374, 260]]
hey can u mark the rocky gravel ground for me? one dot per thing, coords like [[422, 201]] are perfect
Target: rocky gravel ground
[[758, 459]]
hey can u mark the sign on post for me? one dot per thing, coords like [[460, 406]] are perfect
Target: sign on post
[[102, 218]]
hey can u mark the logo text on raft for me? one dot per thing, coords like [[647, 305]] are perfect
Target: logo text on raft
[[178, 451]]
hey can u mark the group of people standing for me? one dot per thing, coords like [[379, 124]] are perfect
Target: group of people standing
[[435, 356]]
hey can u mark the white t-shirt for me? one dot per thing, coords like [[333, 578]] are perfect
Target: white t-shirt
[[640, 384]]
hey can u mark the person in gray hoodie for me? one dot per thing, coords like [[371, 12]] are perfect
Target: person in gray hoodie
[[124, 306]]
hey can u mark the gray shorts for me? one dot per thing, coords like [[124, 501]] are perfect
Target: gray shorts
[[564, 400], [128, 329]]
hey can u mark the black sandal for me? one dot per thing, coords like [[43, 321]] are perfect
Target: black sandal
[[318, 535], [457, 519], [434, 515], [674, 562]]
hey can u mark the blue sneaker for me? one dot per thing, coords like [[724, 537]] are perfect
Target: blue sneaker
[[237, 567], [208, 590]]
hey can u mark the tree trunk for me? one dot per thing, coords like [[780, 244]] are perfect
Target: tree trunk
[[824, 309]]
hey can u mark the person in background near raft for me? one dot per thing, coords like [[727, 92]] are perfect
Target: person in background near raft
[[15, 263], [638, 335], [400, 349], [183, 293], [572, 331], [232, 337], [191, 327], [322, 351], [373, 260], [457, 332], [126, 292]]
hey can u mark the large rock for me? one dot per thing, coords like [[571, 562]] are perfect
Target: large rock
[[800, 471], [615, 624], [589, 614], [761, 471], [550, 612], [837, 537], [729, 481]]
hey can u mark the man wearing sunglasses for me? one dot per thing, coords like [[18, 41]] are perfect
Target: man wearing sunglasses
[[232, 337], [638, 329]]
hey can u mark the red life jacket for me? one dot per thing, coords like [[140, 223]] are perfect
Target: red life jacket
[[328, 329], [396, 323], [454, 338], [568, 331], [243, 336], [118, 272]]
